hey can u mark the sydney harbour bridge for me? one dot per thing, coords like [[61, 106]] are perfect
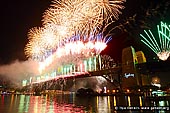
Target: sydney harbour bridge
[[133, 71]]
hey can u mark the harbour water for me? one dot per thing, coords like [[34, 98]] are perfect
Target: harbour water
[[70, 103]]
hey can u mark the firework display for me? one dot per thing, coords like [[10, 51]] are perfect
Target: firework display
[[161, 44], [81, 17], [72, 29]]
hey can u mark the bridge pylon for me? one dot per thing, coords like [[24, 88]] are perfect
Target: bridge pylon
[[129, 72]]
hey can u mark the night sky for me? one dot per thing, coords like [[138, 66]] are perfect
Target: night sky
[[18, 16]]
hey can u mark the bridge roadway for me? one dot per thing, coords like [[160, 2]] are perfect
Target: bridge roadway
[[106, 73], [113, 75], [142, 68]]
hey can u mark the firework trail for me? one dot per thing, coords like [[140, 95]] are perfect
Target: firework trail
[[83, 16], [161, 44]]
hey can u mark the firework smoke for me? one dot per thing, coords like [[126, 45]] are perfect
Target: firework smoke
[[17, 71]]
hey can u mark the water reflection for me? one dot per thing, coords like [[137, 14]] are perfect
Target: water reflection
[[69, 103], [114, 98], [129, 104], [140, 100], [103, 105]]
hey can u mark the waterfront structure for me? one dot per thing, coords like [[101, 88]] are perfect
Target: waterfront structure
[[129, 73], [131, 76]]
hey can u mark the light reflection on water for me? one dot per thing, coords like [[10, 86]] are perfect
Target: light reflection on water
[[68, 103], [140, 100]]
